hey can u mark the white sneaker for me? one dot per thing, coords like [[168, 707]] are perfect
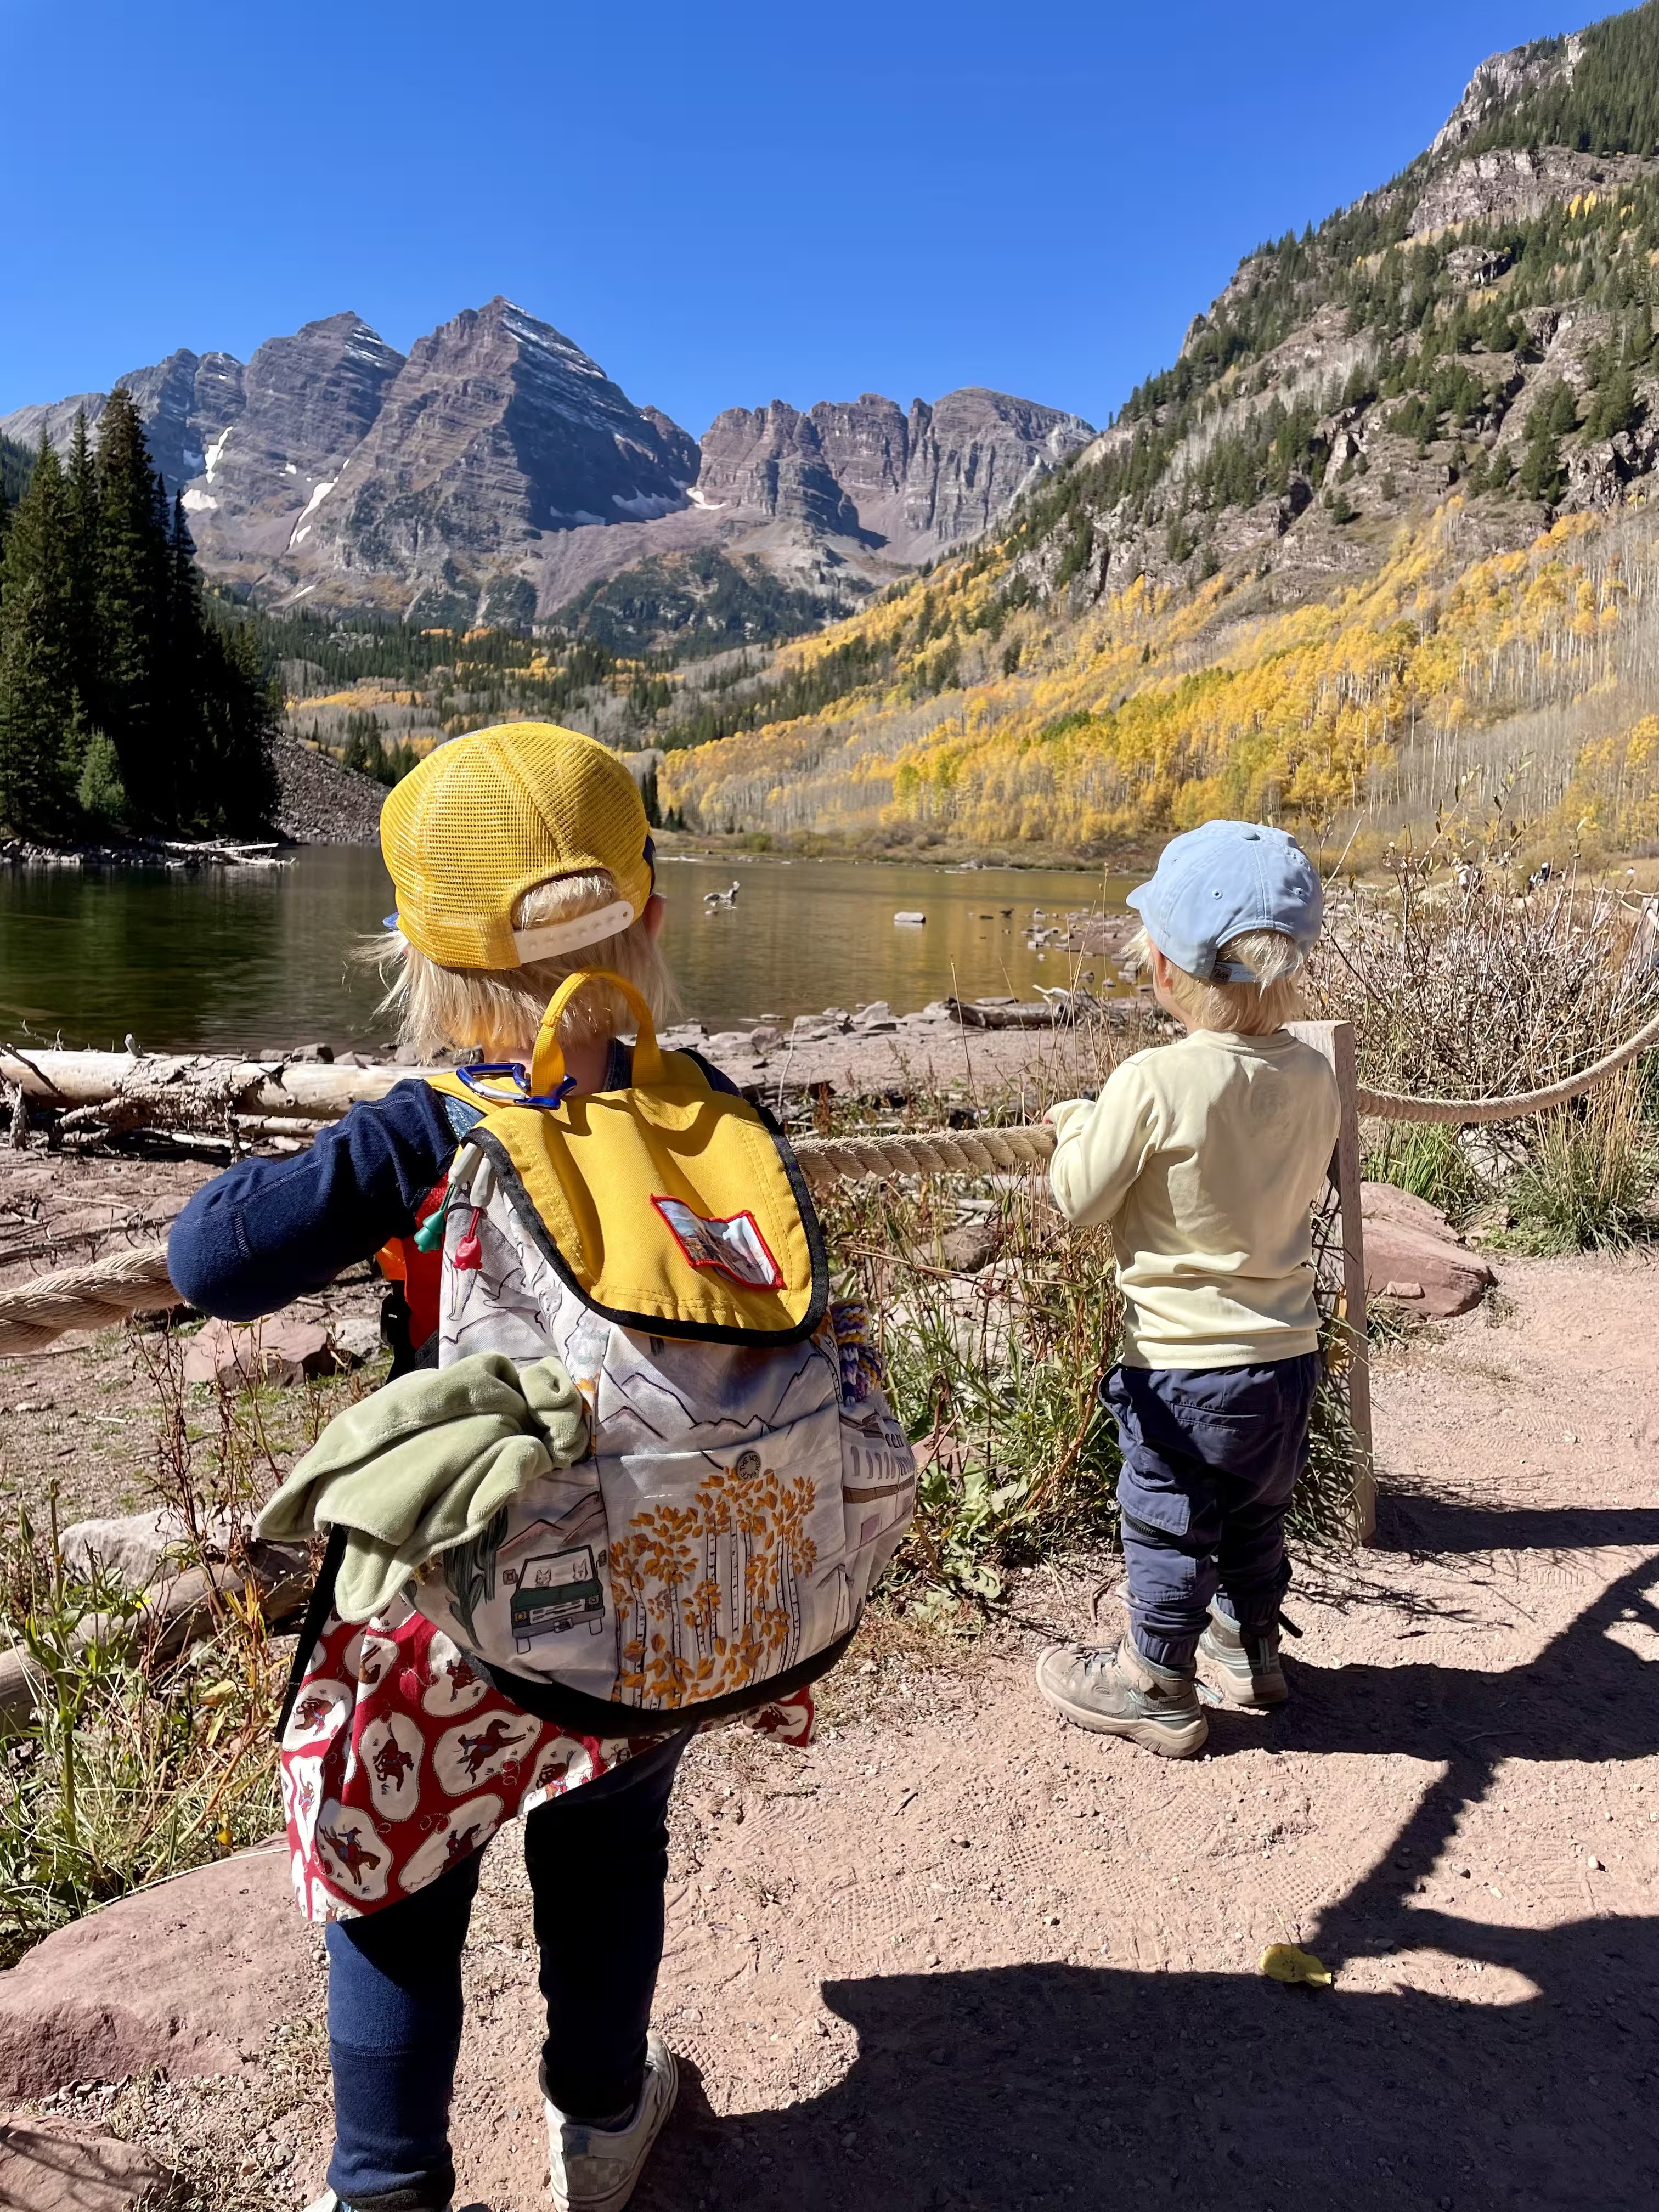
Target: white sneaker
[[328, 2202], [598, 2169]]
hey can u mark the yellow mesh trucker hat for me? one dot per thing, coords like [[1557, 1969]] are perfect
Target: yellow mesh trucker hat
[[485, 818]]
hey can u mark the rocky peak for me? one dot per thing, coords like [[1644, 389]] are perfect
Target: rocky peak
[[165, 397], [867, 443], [684, 455], [914, 483], [308, 401], [490, 458], [979, 451], [496, 429], [771, 461], [183, 402], [1504, 78]]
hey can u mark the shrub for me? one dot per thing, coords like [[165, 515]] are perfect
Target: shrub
[[1588, 1176]]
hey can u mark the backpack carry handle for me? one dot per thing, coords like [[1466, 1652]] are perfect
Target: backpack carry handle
[[547, 1063]]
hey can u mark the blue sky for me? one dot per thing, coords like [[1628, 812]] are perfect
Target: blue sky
[[723, 204]]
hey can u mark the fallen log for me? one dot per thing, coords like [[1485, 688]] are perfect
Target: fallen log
[[1047, 1014], [149, 1084], [180, 1610]]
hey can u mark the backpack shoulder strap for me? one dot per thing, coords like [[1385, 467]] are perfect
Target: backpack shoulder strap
[[319, 1605]]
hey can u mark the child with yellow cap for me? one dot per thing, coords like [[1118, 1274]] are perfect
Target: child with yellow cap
[[519, 855]]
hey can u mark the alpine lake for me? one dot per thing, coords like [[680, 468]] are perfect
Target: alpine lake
[[237, 960]]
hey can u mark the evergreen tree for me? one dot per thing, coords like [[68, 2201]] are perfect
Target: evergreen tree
[[16, 462], [240, 715], [124, 701], [98, 791], [37, 671], [81, 520], [1614, 407], [134, 569]]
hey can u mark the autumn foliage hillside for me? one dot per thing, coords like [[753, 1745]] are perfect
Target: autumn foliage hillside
[[1375, 546], [1451, 672]]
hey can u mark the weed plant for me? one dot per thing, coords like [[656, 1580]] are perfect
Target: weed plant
[[139, 1760], [1425, 1158], [1588, 1175], [134, 1765], [995, 1356]]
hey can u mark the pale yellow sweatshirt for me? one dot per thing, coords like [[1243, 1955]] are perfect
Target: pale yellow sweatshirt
[[1205, 1157]]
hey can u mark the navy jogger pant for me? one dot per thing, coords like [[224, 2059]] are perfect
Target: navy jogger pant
[[598, 1860], [1211, 1456]]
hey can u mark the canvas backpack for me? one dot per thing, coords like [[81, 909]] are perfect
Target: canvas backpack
[[747, 1482]]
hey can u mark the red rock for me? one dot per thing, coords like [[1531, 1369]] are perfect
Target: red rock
[[1430, 1274], [1386, 1201], [46, 2167], [280, 1350], [190, 1976]]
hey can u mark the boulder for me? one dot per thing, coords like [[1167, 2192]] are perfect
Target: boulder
[[970, 1246], [280, 1350], [1429, 1273], [1386, 1201], [765, 1037], [139, 1548], [47, 2166], [188, 1977], [357, 1337]]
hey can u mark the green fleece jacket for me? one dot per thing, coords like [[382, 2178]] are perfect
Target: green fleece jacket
[[426, 1463]]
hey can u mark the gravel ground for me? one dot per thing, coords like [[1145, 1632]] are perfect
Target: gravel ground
[[960, 1955]]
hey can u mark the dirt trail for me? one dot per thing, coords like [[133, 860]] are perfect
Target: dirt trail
[[959, 1955]]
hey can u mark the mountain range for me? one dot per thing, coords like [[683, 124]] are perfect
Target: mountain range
[[496, 471]]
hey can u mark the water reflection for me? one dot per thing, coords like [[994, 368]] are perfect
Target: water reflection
[[233, 960]]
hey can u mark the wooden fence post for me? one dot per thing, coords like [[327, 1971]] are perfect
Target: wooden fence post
[[1335, 1040]]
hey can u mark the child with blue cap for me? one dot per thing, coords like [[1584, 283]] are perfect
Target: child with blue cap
[[1205, 1158]]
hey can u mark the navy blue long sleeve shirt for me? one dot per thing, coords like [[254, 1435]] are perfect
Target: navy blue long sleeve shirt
[[269, 1231]]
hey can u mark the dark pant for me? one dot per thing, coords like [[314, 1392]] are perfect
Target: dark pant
[[598, 1860], [1210, 1458]]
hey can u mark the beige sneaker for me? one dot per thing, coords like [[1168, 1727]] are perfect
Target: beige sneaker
[[598, 2169], [1246, 1669], [1119, 1692]]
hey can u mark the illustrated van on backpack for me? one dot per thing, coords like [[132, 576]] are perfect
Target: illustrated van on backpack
[[747, 1482]]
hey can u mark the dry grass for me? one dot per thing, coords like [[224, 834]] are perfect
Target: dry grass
[[136, 1763], [995, 1363]]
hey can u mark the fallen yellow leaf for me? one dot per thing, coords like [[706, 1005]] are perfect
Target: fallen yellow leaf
[[1283, 1962]]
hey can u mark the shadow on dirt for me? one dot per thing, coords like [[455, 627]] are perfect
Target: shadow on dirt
[[1086, 2087], [1050, 2085]]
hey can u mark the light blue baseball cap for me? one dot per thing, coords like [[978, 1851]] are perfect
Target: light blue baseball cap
[[1215, 882]]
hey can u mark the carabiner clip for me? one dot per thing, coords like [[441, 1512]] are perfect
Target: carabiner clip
[[514, 1070]]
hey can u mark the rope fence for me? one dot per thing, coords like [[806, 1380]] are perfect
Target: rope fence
[[134, 1281]]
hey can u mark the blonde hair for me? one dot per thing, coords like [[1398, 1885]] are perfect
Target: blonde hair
[[1247, 1009], [442, 1010]]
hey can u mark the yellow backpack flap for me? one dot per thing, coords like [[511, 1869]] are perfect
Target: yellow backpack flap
[[669, 1207]]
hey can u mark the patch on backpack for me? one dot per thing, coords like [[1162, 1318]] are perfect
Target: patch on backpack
[[734, 1248]]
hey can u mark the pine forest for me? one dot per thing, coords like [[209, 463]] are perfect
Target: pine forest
[[127, 705]]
